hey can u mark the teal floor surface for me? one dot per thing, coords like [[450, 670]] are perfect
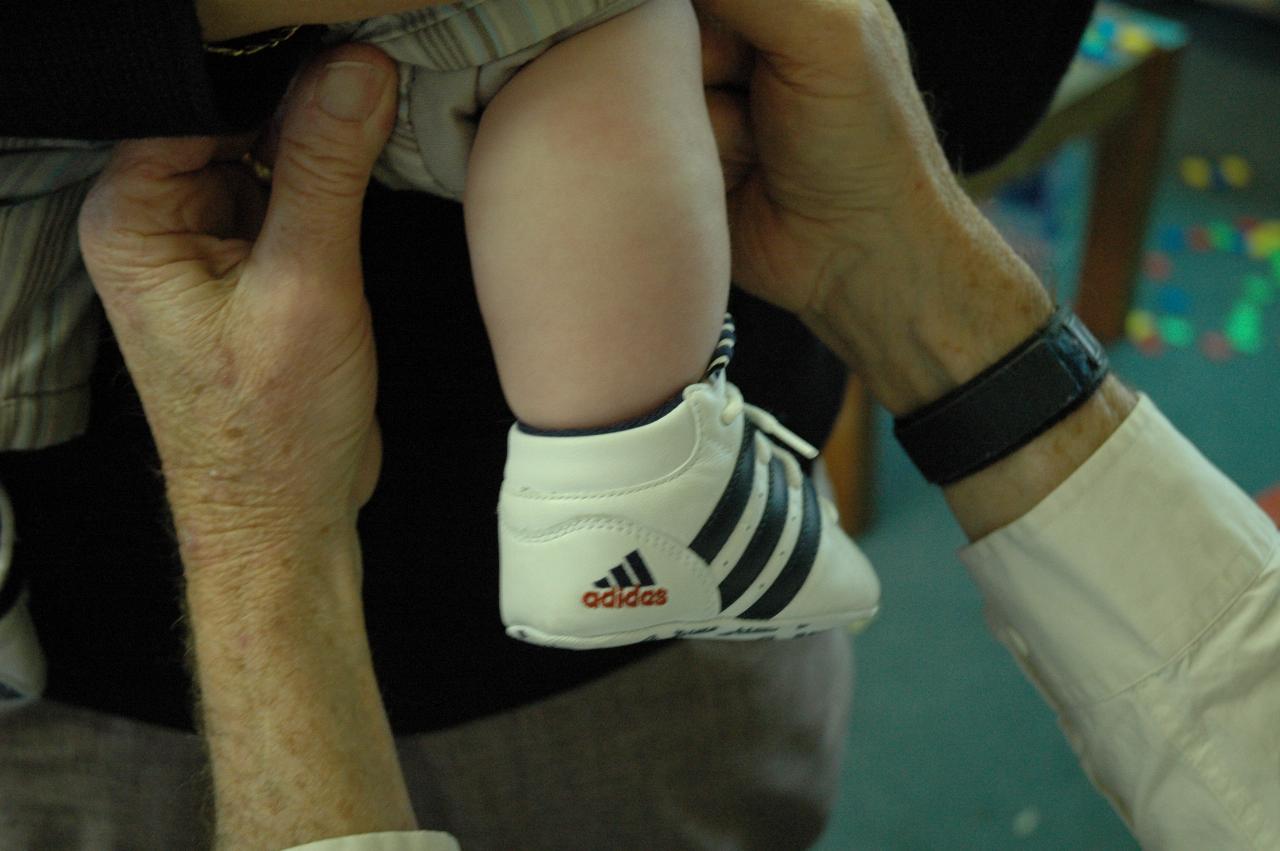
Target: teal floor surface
[[950, 747]]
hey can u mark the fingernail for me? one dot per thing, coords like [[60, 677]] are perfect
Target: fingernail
[[349, 90]]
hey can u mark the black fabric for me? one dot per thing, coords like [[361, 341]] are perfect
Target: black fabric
[[91, 527], [246, 89], [989, 68], [115, 69]]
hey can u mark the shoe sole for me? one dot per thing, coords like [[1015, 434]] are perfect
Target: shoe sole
[[724, 629]]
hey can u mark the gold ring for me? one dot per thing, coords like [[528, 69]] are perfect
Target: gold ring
[[261, 171]]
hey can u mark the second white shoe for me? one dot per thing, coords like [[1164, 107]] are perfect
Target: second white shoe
[[699, 524]]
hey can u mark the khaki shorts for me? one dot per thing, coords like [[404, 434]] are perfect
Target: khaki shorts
[[703, 746], [453, 61]]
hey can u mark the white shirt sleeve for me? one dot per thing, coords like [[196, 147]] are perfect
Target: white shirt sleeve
[[403, 840], [1142, 597]]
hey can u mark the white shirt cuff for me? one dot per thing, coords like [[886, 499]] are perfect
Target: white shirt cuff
[[1122, 567]]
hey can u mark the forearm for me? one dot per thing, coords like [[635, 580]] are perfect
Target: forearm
[[298, 738], [954, 314]]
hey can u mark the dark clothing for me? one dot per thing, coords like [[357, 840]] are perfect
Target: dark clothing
[[103, 569], [116, 69]]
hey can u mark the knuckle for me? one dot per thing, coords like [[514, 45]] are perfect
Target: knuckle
[[321, 167], [97, 215]]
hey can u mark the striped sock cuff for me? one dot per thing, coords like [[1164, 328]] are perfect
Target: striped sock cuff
[[724, 348]]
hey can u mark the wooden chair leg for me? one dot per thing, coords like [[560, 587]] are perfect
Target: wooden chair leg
[[850, 458], [1126, 175]]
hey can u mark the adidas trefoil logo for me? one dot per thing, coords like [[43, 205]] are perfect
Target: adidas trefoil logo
[[626, 586]]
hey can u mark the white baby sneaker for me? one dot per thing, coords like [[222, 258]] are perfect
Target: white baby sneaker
[[696, 524]]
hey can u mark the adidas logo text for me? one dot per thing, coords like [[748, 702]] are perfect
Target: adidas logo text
[[625, 598]]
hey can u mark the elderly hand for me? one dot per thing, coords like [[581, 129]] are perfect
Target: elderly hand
[[842, 205], [844, 210], [830, 140], [245, 327], [246, 332]]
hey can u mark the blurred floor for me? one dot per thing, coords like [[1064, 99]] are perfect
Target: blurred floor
[[951, 748]]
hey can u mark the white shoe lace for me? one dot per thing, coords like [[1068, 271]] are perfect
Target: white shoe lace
[[768, 424]]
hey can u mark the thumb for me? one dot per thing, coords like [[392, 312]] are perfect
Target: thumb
[[786, 32], [335, 121]]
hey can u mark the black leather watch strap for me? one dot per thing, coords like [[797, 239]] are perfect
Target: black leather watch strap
[[1007, 405]]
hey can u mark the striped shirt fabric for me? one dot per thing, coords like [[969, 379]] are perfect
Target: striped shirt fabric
[[49, 318], [472, 33]]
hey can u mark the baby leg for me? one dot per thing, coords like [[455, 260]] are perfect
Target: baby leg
[[595, 214]]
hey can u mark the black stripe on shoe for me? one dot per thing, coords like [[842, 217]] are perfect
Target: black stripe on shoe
[[640, 569], [728, 511], [620, 577], [796, 570], [763, 541]]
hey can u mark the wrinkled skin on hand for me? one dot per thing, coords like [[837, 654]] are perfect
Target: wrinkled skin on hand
[[829, 149], [244, 328]]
